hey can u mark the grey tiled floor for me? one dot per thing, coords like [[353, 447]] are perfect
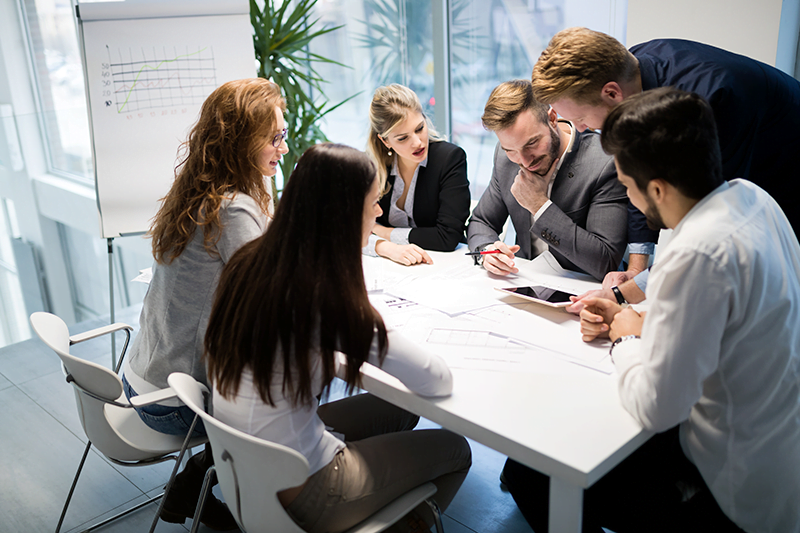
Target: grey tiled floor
[[42, 441]]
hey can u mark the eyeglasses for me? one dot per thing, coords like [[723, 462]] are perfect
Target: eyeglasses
[[276, 141]]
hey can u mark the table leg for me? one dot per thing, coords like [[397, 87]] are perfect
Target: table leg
[[566, 507]]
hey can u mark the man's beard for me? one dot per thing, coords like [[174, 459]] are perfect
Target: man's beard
[[653, 217], [555, 149]]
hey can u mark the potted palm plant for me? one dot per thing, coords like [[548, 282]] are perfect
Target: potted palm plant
[[282, 33]]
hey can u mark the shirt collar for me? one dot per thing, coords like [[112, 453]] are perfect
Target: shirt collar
[[647, 73], [568, 148], [699, 205]]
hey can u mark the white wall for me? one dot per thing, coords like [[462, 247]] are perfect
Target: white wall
[[746, 27]]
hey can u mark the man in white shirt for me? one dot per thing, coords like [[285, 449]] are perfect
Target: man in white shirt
[[718, 352], [556, 184]]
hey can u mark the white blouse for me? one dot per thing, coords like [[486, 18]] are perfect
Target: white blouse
[[299, 427]]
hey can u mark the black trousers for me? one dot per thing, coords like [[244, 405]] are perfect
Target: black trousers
[[655, 489]]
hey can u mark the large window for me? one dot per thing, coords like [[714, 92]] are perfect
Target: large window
[[86, 258], [491, 41], [13, 323], [59, 79], [383, 41], [59, 86]]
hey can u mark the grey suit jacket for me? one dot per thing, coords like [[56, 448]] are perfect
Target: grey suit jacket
[[586, 225]]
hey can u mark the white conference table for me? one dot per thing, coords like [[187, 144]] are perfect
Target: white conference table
[[565, 421]]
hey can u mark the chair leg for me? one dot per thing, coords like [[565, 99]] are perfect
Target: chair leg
[[208, 482], [437, 514], [123, 513], [72, 489], [164, 494], [174, 471], [107, 520]]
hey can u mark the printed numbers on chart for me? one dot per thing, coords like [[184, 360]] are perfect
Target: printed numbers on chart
[[106, 87], [145, 115]]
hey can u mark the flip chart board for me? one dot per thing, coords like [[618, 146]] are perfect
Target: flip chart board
[[149, 65]]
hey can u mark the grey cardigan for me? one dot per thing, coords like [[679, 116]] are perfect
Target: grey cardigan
[[178, 302]]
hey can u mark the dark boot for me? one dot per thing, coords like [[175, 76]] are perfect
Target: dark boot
[[181, 501]]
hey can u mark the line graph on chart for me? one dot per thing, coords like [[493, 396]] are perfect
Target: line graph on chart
[[136, 79]]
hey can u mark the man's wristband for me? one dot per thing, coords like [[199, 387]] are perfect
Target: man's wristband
[[618, 341], [618, 295], [479, 258]]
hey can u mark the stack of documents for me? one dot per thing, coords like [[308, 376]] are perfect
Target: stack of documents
[[453, 310]]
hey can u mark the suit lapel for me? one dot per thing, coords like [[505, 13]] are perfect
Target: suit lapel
[[566, 183]]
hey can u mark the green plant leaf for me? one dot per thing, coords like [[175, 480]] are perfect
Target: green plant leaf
[[281, 39]]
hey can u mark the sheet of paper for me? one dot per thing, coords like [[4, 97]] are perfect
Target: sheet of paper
[[144, 276], [505, 360], [377, 277], [552, 329], [454, 309], [492, 339], [397, 312], [457, 289], [545, 270]]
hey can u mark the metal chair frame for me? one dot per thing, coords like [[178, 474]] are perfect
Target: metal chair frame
[[227, 442], [40, 322]]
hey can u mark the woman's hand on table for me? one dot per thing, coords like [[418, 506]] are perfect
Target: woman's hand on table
[[404, 254]]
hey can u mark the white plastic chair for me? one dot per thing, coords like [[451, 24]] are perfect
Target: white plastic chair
[[108, 418], [251, 471]]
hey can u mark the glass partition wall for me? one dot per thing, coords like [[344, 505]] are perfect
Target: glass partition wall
[[490, 41]]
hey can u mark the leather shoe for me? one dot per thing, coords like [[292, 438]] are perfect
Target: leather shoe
[[181, 502]]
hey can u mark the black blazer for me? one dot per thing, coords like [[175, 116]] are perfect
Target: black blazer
[[441, 199]]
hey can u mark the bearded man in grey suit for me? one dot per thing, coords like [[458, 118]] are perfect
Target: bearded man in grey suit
[[556, 183]]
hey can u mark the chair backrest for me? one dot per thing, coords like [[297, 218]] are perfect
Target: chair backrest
[[251, 471], [97, 379]]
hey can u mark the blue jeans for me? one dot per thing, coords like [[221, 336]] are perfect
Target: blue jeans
[[167, 419]]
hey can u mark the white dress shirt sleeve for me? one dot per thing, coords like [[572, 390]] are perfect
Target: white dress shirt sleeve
[[422, 372], [660, 377], [369, 249], [544, 207]]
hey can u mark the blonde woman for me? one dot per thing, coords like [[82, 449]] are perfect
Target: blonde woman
[[426, 197], [219, 201]]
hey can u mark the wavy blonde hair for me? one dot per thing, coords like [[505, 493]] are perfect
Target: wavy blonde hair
[[220, 158], [390, 106], [577, 63]]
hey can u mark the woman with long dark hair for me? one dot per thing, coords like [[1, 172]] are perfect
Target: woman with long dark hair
[[220, 199], [292, 312]]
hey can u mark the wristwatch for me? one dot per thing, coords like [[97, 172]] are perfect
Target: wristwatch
[[479, 258], [618, 295], [618, 341]]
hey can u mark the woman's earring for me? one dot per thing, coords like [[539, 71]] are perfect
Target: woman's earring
[[390, 152]]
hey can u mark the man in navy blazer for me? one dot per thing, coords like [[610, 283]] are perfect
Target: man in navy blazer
[[557, 185], [756, 107]]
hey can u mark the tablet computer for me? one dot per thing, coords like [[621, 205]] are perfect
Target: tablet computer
[[540, 294]]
